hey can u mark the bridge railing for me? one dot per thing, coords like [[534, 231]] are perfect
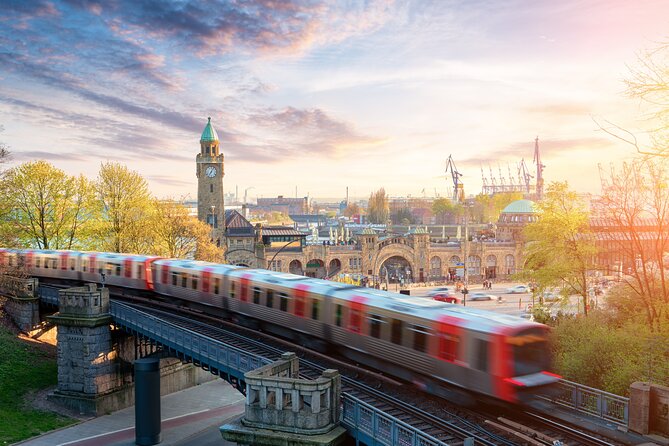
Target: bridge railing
[[608, 406], [372, 426], [214, 354]]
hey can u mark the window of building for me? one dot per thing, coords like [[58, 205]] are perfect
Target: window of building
[[211, 188]]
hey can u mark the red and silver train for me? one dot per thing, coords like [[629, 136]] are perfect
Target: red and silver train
[[434, 344]]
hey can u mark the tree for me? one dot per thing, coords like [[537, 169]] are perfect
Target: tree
[[559, 249], [127, 205], [377, 208], [180, 235], [635, 199], [4, 150], [352, 209], [442, 207], [45, 208], [488, 207]]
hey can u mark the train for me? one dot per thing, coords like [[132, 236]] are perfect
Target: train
[[436, 345]]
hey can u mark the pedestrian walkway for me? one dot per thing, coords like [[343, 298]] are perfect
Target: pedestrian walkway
[[185, 415]]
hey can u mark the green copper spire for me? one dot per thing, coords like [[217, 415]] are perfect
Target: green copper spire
[[209, 134]]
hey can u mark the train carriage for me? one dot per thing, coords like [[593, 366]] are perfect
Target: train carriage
[[52, 264], [197, 281], [123, 270]]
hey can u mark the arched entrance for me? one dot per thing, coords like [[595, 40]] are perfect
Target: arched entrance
[[334, 267], [315, 268], [491, 267], [396, 269], [456, 268], [295, 267], [435, 268]]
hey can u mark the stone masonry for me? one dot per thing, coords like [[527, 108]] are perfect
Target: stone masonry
[[22, 302]]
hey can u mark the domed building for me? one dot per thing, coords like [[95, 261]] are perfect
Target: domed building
[[514, 218]]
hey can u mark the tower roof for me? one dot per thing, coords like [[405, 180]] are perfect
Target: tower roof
[[209, 133]]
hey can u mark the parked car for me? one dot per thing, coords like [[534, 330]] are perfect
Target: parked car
[[481, 296], [550, 296], [440, 290], [447, 297], [518, 289]]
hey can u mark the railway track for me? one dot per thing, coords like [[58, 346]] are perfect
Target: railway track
[[451, 431], [451, 426]]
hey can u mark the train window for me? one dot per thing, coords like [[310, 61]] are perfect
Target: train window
[[283, 302], [174, 278], [315, 306], [194, 282], [217, 285], [448, 347], [482, 355], [338, 316], [184, 280], [139, 271], [72, 264], [396, 331], [84, 265], [256, 295], [232, 289], [375, 322], [38, 262], [118, 270], [269, 302], [420, 335]]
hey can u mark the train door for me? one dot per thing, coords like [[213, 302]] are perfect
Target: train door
[[299, 307], [206, 287], [450, 349], [29, 260], [164, 274], [244, 284], [127, 268], [356, 317], [63, 260]]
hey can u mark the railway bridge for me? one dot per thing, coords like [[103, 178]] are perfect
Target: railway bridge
[[99, 337]]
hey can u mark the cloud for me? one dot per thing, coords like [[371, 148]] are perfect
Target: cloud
[[42, 155], [298, 132], [169, 180], [562, 109]]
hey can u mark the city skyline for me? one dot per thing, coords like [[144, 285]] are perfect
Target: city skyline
[[324, 96]]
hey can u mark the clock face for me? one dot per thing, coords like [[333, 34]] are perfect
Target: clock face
[[210, 171]]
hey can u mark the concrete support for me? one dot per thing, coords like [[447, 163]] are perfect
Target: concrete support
[[649, 409], [22, 301], [282, 409], [87, 365]]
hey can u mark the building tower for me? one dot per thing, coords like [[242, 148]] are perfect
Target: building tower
[[209, 171]]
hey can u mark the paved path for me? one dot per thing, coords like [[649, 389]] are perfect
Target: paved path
[[185, 416]]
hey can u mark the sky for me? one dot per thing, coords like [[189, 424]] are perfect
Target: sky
[[313, 97]]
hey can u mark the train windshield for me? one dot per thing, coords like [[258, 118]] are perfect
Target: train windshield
[[531, 352]]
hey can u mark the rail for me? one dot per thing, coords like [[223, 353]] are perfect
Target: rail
[[595, 402]]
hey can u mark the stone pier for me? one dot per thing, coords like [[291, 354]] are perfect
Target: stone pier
[[649, 411], [283, 409], [22, 301]]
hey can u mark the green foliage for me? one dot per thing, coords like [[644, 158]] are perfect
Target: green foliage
[[127, 204], [43, 207], [488, 207], [377, 207], [559, 251], [444, 207], [352, 209], [24, 369], [597, 352]]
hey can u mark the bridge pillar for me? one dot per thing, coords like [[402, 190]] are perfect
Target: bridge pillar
[[87, 362], [283, 409], [23, 303]]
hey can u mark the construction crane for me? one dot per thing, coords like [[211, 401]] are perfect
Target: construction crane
[[458, 188], [524, 175], [540, 169]]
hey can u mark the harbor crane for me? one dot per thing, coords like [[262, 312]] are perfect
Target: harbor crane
[[458, 188]]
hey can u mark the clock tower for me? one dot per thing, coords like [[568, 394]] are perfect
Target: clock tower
[[209, 171]]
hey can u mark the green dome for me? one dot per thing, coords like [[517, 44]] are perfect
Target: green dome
[[209, 134], [520, 207]]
